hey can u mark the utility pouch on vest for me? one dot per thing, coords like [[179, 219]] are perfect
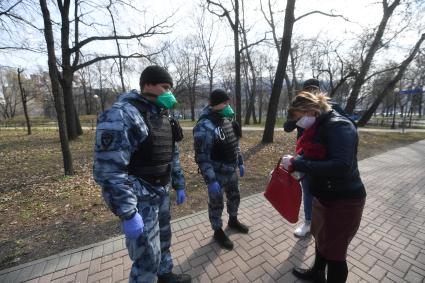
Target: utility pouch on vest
[[177, 130], [237, 129]]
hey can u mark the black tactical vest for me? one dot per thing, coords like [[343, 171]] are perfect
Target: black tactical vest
[[152, 161], [225, 143]]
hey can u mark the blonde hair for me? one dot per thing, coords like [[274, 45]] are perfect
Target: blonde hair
[[309, 102]]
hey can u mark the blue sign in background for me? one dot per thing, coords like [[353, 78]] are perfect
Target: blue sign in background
[[411, 91]]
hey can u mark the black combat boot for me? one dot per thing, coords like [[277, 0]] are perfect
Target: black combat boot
[[314, 274], [174, 278], [222, 239], [235, 224]]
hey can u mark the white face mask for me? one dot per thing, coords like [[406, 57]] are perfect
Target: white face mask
[[306, 122]]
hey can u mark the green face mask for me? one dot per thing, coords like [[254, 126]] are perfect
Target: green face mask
[[166, 100], [227, 112]]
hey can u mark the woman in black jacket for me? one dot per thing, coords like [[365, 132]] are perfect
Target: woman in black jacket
[[327, 154]]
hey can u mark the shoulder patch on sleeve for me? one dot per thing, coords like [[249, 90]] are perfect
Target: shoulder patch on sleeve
[[106, 139]]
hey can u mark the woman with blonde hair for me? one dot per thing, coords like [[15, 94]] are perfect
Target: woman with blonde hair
[[327, 154]]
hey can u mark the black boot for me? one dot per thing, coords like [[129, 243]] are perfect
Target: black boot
[[174, 278], [337, 271], [222, 239], [309, 274], [235, 224], [314, 274]]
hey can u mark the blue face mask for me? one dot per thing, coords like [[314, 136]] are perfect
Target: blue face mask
[[166, 100]]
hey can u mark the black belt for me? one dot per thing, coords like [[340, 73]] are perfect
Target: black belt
[[159, 175]]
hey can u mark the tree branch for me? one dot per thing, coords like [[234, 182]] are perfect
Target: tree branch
[[380, 72], [322, 13], [10, 8], [252, 44], [151, 31], [102, 58], [226, 13]]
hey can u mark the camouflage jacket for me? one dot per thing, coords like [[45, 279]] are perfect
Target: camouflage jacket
[[120, 131], [204, 136]]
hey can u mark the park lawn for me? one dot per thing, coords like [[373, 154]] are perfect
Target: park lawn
[[44, 212]]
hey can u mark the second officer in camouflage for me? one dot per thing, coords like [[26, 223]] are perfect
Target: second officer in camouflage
[[217, 153]]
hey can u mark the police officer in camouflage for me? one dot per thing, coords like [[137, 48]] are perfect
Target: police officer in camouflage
[[136, 162], [217, 153]]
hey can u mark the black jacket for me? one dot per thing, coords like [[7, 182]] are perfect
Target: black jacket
[[337, 176]]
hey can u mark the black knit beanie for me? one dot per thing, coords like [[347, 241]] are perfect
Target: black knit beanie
[[155, 75], [311, 83], [218, 96]]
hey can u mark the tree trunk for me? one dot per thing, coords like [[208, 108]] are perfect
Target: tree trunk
[[280, 73], [72, 119], [192, 105], [391, 85], [360, 78], [86, 98], [24, 102], [420, 104], [56, 90], [211, 82], [294, 84], [237, 65]]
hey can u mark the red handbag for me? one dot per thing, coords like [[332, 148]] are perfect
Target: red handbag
[[284, 193]]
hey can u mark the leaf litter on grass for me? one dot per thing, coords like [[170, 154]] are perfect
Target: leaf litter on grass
[[46, 213]]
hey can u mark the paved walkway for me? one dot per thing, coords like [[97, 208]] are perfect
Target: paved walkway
[[389, 246]]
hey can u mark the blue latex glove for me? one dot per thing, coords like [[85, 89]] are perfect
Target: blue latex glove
[[181, 196], [241, 170], [214, 188], [133, 227]]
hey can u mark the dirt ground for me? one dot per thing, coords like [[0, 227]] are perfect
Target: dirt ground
[[44, 213]]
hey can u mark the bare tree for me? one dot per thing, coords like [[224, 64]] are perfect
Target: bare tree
[[24, 100], [234, 25], [187, 60], [391, 85], [227, 71], [270, 19], [207, 37], [296, 51], [247, 50], [120, 64], [376, 43], [70, 55], [326, 59], [56, 90], [84, 80], [280, 72], [10, 90], [420, 75], [101, 94]]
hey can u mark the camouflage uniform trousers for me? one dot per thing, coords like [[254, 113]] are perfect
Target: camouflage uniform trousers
[[150, 252], [229, 183]]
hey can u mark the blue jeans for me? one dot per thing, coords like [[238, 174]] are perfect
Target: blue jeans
[[307, 199]]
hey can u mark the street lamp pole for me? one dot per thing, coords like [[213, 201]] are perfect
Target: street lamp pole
[[396, 90]]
